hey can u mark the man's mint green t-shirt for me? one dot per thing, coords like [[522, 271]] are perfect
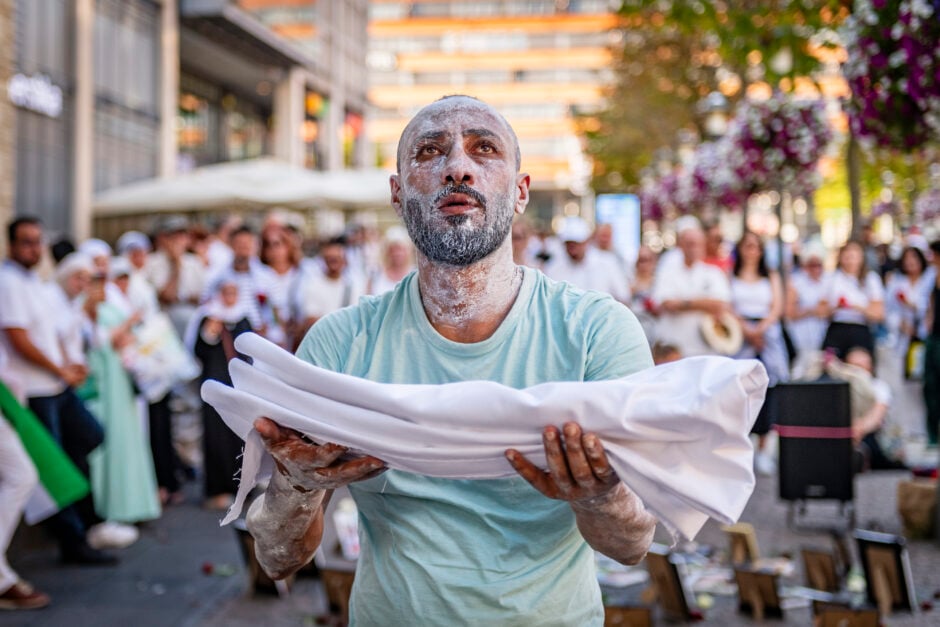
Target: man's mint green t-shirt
[[495, 552]]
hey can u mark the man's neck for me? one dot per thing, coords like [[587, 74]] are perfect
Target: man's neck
[[467, 304]]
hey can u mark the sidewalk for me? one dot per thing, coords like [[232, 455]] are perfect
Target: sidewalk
[[160, 581]]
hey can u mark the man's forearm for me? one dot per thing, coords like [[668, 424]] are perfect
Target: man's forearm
[[287, 526], [22, 344], [616, 524]]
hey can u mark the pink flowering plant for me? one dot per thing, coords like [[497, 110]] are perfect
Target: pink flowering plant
[[771, 144], [885, 207], [893, 71], [777, 143], [927, 205]]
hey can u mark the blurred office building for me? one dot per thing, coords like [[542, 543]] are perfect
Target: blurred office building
[[101, 93], [540, 62]]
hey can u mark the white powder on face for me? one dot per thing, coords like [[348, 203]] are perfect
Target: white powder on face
[[467, 278]]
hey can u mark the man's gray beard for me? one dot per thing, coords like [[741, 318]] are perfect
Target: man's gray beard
[[454, 243]]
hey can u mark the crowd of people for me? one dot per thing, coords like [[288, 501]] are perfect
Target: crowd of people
[[706, 296], [105, 344], [80, 319]]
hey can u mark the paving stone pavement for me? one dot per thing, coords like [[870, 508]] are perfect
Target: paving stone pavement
[[160, 580]]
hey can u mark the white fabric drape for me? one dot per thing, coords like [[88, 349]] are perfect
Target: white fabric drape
[[677, 434]]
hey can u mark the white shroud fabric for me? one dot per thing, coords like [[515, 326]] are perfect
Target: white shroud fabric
[[677, 434]]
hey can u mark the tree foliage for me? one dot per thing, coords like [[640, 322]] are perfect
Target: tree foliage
[[675, 52]]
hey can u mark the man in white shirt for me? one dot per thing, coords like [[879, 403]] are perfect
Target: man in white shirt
[[685, 293], [253, 278], [584, 266], [31, 339], [178, 276], [603, 240], [325, 290], [135, 247]]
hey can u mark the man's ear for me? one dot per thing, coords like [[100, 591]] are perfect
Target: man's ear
[[394, 182], [522, 195]]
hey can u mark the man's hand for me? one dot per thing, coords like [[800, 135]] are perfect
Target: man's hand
[[609, 516], [287, 520], [578, 470], [73, 374], [309, 467]]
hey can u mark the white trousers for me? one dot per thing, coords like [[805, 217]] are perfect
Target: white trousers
[[17, 479], [677, 435]]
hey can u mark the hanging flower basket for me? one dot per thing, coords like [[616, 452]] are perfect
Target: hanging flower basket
[[893, 71], [777, 143]]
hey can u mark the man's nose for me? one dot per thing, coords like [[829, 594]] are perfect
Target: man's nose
[[459, 167]]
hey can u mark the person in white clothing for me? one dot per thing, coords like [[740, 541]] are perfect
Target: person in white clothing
[[178, 276], [757, 300], [854, 299], [806, 316], [906, 297], [18, 477], [254, 279], [134, 246], [398, 261], [72, 277], [333, 288], [281, 255], [31, 339], [584, 266], [603, 240], [218, 247], [686, 293]]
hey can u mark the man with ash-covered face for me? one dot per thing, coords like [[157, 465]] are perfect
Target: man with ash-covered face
[[503, 551]]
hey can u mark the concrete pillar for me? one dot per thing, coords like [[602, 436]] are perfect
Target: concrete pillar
[[7, 119], [337, 111], [169, 87], [289, 117], [83, 184]]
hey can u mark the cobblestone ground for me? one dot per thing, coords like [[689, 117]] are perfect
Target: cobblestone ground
[[161, 580]]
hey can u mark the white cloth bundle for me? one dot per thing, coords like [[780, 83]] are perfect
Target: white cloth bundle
[[677, 434]]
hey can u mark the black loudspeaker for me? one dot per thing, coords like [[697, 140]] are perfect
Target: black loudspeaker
[[814, 425]]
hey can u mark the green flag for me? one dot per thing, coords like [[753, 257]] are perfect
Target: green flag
[[61, 483]]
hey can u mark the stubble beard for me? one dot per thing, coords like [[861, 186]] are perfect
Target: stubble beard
[[454, 240]]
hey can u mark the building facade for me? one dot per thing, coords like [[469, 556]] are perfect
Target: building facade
[[108, 92], [7, 118], [542, 63], [332, 33]]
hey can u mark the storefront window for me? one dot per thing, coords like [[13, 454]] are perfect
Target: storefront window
[[316, 108], [214, 126], [126, 62], [352, 135], [245, 129], [197, 122]]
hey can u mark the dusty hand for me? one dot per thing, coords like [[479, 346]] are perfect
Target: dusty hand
[[308, 466], [578, 470]]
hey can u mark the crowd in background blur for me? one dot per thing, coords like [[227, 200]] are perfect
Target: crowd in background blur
[[107, 345], [868, 307]]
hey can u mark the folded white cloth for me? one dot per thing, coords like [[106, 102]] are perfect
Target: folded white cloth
[[677, 434]]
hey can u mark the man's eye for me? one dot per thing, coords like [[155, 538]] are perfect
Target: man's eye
[[428, 150], [487, 148]]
